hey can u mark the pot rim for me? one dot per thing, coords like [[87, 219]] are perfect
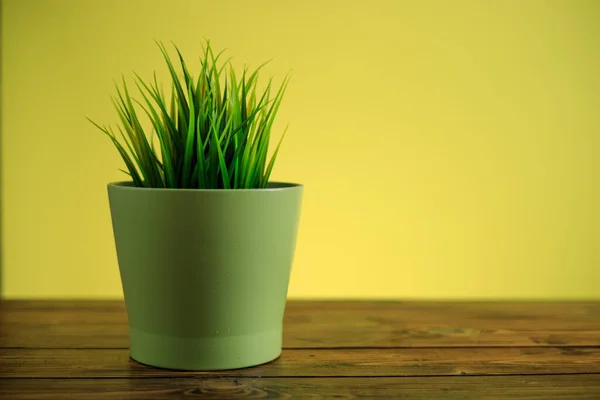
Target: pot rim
[[278, 186]]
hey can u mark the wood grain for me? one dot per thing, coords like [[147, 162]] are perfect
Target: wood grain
[[329, 324], [108, 363], [567, 387], [384, 350]]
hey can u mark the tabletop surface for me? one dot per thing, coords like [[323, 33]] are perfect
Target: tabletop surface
[[332, 349]]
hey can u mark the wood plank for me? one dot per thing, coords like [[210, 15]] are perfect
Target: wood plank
[[109, 363], [540, 387], [103, 324]]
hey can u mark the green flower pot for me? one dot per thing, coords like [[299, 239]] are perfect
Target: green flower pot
[[205, 272]]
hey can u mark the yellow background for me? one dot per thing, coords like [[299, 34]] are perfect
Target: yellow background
[[450, 149]]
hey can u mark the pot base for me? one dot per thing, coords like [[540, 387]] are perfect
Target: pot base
[[205, 353]]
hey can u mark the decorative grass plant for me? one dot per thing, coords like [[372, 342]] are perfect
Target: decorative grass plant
[[212, 132]]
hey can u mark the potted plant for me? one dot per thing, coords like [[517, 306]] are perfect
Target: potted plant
[[204, 240]]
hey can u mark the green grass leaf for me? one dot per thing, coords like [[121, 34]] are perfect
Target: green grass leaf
[[189, 148], [213, 131], [265, 178]]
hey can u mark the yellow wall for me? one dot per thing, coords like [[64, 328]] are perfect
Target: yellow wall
[[450, 149]]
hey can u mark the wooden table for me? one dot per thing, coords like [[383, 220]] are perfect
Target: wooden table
[[392, 350]]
